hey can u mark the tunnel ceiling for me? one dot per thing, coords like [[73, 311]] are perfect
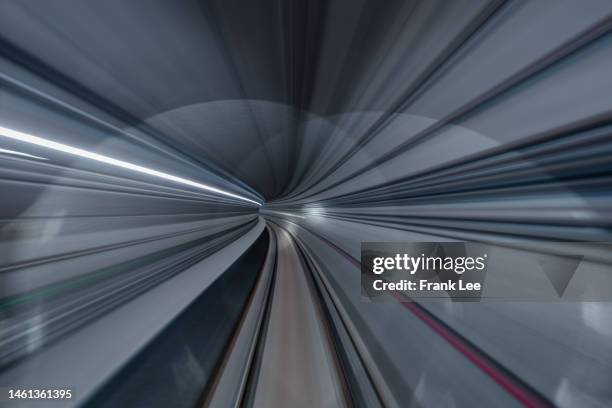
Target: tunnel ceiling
[[318, 101], [262, 89]]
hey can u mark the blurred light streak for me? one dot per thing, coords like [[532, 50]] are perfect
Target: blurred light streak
[[75, 151], [13, 152]]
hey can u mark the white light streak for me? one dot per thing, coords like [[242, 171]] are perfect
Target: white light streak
[[75, 151], [13, 152]]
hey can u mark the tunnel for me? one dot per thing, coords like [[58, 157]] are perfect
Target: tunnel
[[305, 203]]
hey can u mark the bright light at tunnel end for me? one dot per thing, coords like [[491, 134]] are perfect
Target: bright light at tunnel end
[[75, 151]]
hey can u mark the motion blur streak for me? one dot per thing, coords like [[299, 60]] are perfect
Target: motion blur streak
[[185, 186], [24, 137]]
